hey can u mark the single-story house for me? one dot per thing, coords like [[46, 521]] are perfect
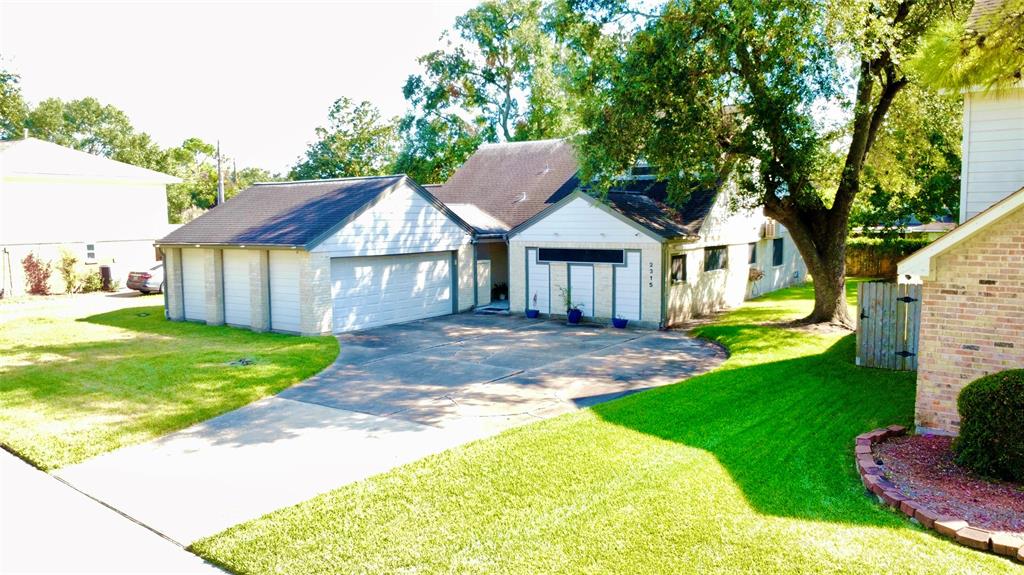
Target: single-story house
[[54, 198], [321, 256], [329, 256], [972, 308]]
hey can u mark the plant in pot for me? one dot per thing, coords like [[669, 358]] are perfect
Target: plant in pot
[[573, 311], [533, 311], [619, 322]]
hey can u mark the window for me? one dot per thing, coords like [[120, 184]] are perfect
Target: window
[[580, 256], [753, 253], [777, 252], [715, 258], [90, 252], [678, 268]]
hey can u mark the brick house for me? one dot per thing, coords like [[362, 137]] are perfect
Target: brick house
[[972, 309]]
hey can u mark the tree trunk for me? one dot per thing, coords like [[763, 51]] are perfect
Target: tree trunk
[[830, 294]]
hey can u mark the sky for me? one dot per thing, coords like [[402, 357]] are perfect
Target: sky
[[258, 76]]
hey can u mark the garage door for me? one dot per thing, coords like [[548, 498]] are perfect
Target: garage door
[[193, 284], [627, 288], [538, 277], [375, 291], [581, 285], [284, 291], [237, 297]]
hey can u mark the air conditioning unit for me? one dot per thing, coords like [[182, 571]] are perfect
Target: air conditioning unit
[[768, 229]]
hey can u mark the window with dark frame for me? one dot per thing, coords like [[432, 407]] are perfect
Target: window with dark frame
[[715, 258], [678, 268], [90, 252], [777, 247], [580, 256], [753, 253]]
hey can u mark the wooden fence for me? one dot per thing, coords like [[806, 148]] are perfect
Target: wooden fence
[[888, 325]]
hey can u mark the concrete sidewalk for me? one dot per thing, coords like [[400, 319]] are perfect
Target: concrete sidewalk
[[48, 527]]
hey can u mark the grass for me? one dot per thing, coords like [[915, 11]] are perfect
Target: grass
[[71, 389], [747, 469]]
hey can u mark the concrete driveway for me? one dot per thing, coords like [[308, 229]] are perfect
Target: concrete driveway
[[394, 395]]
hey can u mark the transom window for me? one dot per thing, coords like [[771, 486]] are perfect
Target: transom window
[[580, 256], [715, 258]]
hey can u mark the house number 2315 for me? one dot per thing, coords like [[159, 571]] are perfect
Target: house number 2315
[[650, 274]]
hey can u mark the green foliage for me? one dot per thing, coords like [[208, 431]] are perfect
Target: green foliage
[[991, 440], [914, 166], [154, 377], [37, 274], [195, 162], [90, 281], [68, 270], [356, 142], [13, 108], [888, 246], [988, 54]]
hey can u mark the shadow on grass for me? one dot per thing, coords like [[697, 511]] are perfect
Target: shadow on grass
[[783, 429]]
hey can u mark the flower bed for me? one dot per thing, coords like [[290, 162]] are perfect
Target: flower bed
[[920, 482]]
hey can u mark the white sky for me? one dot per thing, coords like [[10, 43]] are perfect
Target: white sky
[[259, 76]]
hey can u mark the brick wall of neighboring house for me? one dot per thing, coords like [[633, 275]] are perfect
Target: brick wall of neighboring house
[[972, 319]]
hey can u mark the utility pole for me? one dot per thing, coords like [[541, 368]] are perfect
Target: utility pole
[[220, 178]]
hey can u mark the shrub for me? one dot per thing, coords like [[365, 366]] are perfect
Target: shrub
[[991, 438], [37, 274], [90, 282], [67, 271]]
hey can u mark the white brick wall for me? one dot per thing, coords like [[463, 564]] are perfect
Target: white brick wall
[[315, 288]]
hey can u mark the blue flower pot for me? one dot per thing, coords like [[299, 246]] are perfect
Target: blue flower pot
[[532, 313], [619, 322], [574, 316]]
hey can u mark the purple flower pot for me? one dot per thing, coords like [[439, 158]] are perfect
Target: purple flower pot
[[619, 322], [574, 316], [532, 313]]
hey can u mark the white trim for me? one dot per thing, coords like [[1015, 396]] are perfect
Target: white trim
[[920, 262]]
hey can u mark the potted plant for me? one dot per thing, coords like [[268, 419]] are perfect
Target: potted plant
[[619, 322], [573, 311], [533, 311]]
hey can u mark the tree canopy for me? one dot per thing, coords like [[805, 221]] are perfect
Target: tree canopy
[[356, 142]]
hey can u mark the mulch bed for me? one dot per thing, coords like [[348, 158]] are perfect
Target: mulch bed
[[922, 467]]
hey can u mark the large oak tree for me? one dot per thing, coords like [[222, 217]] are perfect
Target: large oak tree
[[767, 91]]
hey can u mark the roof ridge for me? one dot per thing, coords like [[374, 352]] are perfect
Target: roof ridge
[[523, 142], [324, 180]]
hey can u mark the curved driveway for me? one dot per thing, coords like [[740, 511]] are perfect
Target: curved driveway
[[394, 395]]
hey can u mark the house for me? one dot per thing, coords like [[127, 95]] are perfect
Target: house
[[54, 198], [972, 308], [627, 255], [321, 256], [329, 256]]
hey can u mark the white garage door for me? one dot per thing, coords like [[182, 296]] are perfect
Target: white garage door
[[627, 288], [284, 291], [581, 285], [193, 284], [237, 297], [538, 278], [375, 291]]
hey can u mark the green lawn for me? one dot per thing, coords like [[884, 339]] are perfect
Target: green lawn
[[748, 469], [70, 389]]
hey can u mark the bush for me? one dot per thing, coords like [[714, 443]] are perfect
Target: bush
[[67, 271], [37, 274], [90, 282], [991, 438], [897, 247]]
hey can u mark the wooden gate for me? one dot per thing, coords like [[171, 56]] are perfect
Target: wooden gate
[[888, 325]]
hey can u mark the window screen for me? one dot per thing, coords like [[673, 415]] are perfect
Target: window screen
[[678, 268], [753, 253], [777, 247], [580, 255], [715, 258]]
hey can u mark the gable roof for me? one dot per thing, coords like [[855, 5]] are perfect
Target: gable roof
[[919, 263], [514, 181], [981, 10], [291, 214], [34, 157]]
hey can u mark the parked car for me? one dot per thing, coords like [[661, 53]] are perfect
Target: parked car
[[149, 281]]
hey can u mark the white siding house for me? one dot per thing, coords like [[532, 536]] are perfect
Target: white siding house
[[54, 198], [993, 149]]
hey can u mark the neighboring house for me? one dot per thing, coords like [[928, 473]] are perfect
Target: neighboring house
[[54, 198], [338, 255], [321, 256], [972, 309], [629, 255]]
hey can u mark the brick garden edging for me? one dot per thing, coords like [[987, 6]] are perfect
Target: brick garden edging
[[872, 475]]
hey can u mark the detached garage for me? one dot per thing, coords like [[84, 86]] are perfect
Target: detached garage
[[323, 256]]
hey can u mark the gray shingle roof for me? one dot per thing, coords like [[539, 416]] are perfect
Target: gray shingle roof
[[512, 182], [283, 214], [980, 11], [662, 219]]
